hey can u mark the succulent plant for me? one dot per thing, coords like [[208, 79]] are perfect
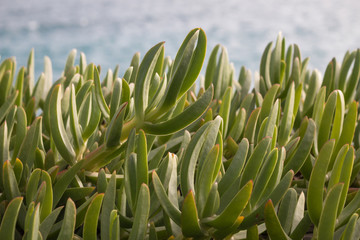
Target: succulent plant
[[159, 154]]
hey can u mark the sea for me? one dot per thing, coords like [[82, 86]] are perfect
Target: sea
[[109, 32]]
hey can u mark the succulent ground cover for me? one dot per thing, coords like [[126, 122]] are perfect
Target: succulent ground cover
[[161, 153]]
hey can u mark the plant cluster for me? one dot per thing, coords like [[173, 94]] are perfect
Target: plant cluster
[[157, 154]]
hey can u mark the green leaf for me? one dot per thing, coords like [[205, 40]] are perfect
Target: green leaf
[[206, 178], [19, 85], [250, 127], [264, 176], [287, 210], [328, 215], [49, 221], [188, 116], [317, 181], [348, 131], [287, 122], [68, 224], [171, 210], [298, 212], [255, 161], [99, 95], [275, 196], [236, 166], [211, 66], [113, 132], [58, 132], [265, 67], [34, 224], [115, 97], [238, 127], [91, 218], [189, 217], [6, 107], [327, 119], [8, 223], [224, 110], [11, 188], [74, 122], [272, 222], [140, 224], [349, 209], [268, 101], [233, 210], [143, 78], [62, 183], [296, 161], [107, 207], [95, 118], [142, 161], [349, 231], [114, 228], [185, 69], [311, 91], [352, 82]]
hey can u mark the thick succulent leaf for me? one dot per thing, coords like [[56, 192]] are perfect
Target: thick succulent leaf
[[236, 166], [188, 116], [142, 161], [74, 122], [58, 132], [264, 176], [287, 209], [298, 212], [347, 134], [107, 207], [140, 224], [250, 127], [99, 95], [171, 210], [317, 181], [327, 119], [130, 180], [206, 179], [6, 107], [48, 222], [275, 196], [329, 212], [61, 185], [255, 161], [143, 78], [113, 132], [272, 222], [11, 188], [296, 161], [34, 224], [352, 82], [91, 218], [230, 214], [349, 210], [349, 232], [189, 217], [8, 223], [224, 110], [287, 122], [268, 101], [68, 223], [186, 68]]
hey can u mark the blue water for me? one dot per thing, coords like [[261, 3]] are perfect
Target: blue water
[[109, 32]]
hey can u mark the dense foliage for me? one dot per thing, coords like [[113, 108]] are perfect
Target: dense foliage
[[158, 154]]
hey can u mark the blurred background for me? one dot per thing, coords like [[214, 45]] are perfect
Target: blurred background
[[109, 32]]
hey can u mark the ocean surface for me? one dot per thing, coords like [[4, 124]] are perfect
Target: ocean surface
[[109, 32]]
